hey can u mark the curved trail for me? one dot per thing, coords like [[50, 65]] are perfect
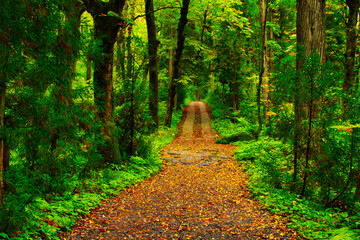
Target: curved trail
[[200, 193]]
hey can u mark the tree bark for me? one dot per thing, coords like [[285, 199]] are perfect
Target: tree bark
[[309, 138], [105, 31], [310, 39], [103, 89], [235, 89], [131, 80], [180, 47], [153, 62], [271, 67], [263, 64], [351, 39], [171, 63], [2, 141], [235, 85], [271, 36], [282, 25], [349, 84], [310, 30]]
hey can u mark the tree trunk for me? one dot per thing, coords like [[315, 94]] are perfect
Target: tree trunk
[[310, 30], [153, 62], [171, 89], [271, 36], [271, 67], [180, 47], [171, 56], [2, 141], [131, 80], [105, 31], [235, 91], [282, 25], [235, 85], [354, 153], [103, 90], [309, 138], [263, 63], [310, 39], [265, 77], [171, 63], [176, 97], [351, 40]]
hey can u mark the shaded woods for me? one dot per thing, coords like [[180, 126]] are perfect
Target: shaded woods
[[91, 91]]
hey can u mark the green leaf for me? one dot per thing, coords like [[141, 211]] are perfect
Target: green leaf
[[4, 236]]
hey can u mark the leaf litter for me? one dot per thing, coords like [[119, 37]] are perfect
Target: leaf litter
[[200, 193]]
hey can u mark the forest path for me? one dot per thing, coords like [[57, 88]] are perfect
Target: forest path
[[200, 193]]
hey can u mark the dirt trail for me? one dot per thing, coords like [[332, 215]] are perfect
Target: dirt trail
[[200, 193]]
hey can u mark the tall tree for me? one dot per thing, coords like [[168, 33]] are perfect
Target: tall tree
[[130, 79], [179, 49], [106, 27], [2, 147], [263, 63], [349, 84], [310, 41], [153, 61], [351, 39], [5, 49]]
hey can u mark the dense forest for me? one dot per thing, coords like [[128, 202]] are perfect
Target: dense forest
[[92, 90]]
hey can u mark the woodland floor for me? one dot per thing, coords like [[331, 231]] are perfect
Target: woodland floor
[[200, 193]]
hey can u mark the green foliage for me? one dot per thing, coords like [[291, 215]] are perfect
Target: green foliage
[[238, 136], [219, 109], [43, 214], [236, 130], [281, 121], [268, 163], [4, 236], [271, 158]]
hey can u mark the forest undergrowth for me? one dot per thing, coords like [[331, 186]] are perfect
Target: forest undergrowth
[[30, 212], [268, 162]]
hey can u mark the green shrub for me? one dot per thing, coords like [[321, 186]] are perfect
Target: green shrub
[[268, 162]]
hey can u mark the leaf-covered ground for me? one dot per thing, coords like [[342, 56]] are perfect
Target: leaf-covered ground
[[200, 193]]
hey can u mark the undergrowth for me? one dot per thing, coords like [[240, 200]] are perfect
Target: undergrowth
[[34, 214], [267, 162]]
